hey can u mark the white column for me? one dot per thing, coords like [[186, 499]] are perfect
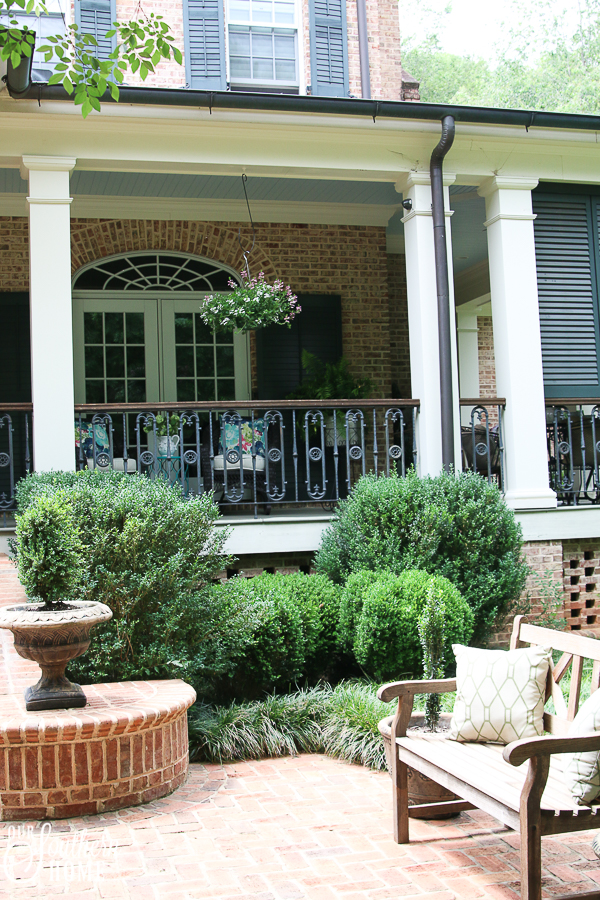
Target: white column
[[468, 356], [50, 310], [517, 342], [423, 320]]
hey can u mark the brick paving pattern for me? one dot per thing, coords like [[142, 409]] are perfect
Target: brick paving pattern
[[308, 828]]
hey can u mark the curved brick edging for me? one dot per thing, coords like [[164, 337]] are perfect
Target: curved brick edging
[[128, 746]]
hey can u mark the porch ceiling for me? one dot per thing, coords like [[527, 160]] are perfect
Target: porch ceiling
[[215, 197]]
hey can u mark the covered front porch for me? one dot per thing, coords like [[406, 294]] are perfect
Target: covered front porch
[[111, 244]]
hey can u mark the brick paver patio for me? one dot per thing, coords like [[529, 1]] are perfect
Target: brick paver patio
[[308, 828]]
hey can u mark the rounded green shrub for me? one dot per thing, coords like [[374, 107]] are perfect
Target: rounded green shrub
[[150, 555], [318, 600], [351, 602], [50, 551], [275, 655], [387, 643], [455, 526], [296, 638]]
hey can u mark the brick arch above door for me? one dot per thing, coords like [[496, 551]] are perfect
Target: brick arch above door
[[95, 240]]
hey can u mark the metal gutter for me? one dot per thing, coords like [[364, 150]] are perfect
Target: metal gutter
[[332, 106], [443, 289]]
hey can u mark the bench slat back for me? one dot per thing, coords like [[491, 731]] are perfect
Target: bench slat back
[[575, 649]]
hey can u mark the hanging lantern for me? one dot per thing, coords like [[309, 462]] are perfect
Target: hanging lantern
[[254, 303]]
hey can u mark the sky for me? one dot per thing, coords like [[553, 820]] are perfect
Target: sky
[[473, 27]]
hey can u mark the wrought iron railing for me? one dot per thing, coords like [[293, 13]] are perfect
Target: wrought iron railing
[[481, 438], [250, 454], [15, 454], [573, 437]]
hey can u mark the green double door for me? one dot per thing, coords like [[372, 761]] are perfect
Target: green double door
[[151, 348]]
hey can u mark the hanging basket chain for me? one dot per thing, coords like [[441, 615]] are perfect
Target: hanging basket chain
[[254, 303], [246, 253]]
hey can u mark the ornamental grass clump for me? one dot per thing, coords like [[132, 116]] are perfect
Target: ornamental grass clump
[[252, 304]]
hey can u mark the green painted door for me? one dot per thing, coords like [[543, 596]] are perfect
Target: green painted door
[[145, 349]]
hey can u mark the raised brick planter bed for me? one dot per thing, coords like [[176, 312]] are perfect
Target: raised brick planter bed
[[129, 745]]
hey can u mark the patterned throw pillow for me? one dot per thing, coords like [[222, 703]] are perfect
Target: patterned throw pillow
[[499, 694], [232, 436], [582, 770]]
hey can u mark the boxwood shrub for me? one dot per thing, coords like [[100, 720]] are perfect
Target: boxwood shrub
[[151, 556], [295, 640], [455, 526], [386, 642]]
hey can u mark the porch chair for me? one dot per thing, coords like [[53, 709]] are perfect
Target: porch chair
[[229, 444]]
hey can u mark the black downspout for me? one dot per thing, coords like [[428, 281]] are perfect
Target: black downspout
[[363, 49], [443, 290]]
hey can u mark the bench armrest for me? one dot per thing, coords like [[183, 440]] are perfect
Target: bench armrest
[[519, 751], [395, 689]]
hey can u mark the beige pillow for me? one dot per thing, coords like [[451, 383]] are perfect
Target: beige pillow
[[582, 770], [499, 694]]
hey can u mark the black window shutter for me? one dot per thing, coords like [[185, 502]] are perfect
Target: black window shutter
[[567, 290], [205, 44], [15, 365], [328, 48], [318, 329], [96, 17]]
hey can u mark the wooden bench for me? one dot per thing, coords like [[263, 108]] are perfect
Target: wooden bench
[[532, 799]]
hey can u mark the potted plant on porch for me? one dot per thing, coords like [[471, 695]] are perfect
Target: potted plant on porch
[[332, 381], [167, 437], [51, 629]]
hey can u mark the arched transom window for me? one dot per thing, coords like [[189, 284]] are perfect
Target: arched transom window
[[139, 335], [154, 271]]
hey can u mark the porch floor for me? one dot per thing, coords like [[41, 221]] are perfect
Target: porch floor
[[308, 828]]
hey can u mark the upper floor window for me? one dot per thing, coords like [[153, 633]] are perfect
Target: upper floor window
[[263, 45]]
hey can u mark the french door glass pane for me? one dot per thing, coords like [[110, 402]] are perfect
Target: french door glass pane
[[115, 364], [203, 362]]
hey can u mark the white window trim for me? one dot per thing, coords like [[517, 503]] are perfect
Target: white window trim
[[300, 81]]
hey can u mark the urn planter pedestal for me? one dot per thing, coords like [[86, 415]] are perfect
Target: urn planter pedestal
[[52, 638]]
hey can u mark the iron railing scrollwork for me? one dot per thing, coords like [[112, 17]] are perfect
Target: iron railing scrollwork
[[15, 454], [482, 443], [573, 439], [290, 454]]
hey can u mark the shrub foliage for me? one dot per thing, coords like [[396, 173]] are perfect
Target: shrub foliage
[[150, 556], [455, 526], [296, 638], [387, 642], [49, 549]]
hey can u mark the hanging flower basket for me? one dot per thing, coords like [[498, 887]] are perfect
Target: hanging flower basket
[[252, 304]]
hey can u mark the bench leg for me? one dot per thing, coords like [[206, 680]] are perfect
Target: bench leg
[[531, 828], [400, 793]]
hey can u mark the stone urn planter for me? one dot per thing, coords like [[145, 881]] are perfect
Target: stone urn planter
[[52, 637], [421, 789]]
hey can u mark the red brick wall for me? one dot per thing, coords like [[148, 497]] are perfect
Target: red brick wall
[[384, 45], [581, 582], [14, 254], [399, 343], [487, 364], [349, 260], [543, 557]]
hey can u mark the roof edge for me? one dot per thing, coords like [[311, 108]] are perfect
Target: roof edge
[[388, 109]]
